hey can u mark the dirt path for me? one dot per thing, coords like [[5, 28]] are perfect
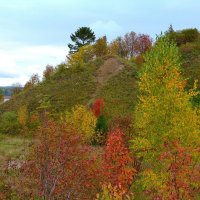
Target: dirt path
[[110, 68]]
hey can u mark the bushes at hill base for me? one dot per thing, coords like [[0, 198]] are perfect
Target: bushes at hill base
[[101, 125], [9, 123], [100, 130], [82, 120], [98, 107], [61, 166], [112, 193], [117, 162]]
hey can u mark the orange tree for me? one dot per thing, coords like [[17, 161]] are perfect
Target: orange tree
[[60, 166], [118, 168]]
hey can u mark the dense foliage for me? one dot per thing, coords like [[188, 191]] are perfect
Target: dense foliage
[[82, 36], [117, 121]]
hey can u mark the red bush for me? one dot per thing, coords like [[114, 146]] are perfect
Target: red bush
[[118, 163], [61, 167], [98, 107]]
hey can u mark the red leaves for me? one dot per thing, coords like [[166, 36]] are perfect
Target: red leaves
[[181, 172], [117, 161], [61, 166], [98, 107], [143, 43]]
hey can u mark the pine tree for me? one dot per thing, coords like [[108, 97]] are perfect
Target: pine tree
[[83, 36]]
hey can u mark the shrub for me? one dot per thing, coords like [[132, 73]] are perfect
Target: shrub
[[83, 120], [80, 58], [118, 167], [61, 166], [98, 107], [100, 47], [100, 130], [9, 123]]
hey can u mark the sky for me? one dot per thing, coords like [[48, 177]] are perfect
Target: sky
[[35, 33]]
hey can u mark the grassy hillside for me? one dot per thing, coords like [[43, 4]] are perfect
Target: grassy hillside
[[63, 90], [191, 62], [112, 79], [68, 87]]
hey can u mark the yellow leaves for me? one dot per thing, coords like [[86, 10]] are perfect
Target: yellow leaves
[[111, 193], [23, 115], [84, 55], [113, 48], [193, 92], [152, 181], [141, 146], [83, 121]]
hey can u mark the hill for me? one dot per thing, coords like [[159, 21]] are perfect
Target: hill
[[111, 78]]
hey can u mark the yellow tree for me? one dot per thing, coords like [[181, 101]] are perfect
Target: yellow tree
[[100, 47], [164, 114], [23, 115], [83, 120], [84, 55]]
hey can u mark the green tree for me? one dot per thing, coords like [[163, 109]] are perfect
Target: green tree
[[83, 36], [9, 123], [164, 113]]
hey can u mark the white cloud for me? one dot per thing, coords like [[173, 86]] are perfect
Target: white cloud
[[109, 28], [19, 61]]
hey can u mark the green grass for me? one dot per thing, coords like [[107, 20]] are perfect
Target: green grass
[[120, 93], [13, 147], [64, 90]]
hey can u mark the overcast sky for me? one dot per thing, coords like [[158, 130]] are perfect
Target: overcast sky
[[34, 33]]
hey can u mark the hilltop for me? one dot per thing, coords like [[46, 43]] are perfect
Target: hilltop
[[110, 78]]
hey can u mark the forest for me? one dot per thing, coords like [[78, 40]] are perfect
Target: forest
[[118, 120]]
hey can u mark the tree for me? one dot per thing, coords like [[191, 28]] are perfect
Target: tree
[[143, 44], [130, 43], [164, 113], [180, 175], [48, 72], [9, 123], [98, 107], [60, 166], [118, 167], [79, 59], [171, 34], [100, 47], [83, 121], [83, 36], [34, 80], [16, 88], [101, 124]]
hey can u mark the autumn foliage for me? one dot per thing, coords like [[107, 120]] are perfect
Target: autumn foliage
[[98, 107], [83, 121], [164, 115], [118, 168], [60, 166]]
